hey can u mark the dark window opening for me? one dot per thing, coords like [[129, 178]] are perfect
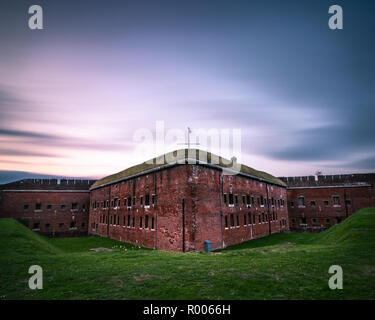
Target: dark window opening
[[152, 223], [147, 200], [231, 220], [226, 221], [25, 207], [38, 206], [74, 206], [63, 207], [36, 226], [231, 199], [146, 222]]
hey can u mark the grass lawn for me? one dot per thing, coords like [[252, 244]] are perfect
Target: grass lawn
[[259, 269]]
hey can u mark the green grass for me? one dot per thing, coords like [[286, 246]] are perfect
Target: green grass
[[259, 269]]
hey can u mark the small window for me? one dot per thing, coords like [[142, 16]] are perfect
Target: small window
[[231, 220], [254, 219], [147, 200], [244, 219], [336, 200], [236, 199], [72, 224], [74, 206], [293, 221], [248, 200], [261, 201], [83, 224], [263, 220], [153, 198], [301, 201], [25, 207], [133, 222], [38, 206], [140, 222], [49, 206], [152, 223], [61, 225], [36, 226], [47, 225], [146, 222], [326, 203], [328, 221], [348, 203], [303, 220], [125, 202], [292, 204], [225, 198], [313, 203], [133, 201], [313, 220], [129, 202], [141, 200], [128, 220], [231, 199], [226, 222], [63, 207], [238, 221]]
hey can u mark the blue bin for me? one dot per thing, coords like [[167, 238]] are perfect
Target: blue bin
[[207, 245]]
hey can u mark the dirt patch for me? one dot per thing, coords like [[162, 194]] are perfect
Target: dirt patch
[[100, 249], [288, 244]]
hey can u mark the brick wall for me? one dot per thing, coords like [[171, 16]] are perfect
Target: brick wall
[[188, 209], [48, 206]]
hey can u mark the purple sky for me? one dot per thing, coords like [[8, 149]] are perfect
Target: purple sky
[[73, 95]]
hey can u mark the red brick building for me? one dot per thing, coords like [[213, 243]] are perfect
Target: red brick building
[[176, 202], [48, 206], [316, 203], [177, 206]]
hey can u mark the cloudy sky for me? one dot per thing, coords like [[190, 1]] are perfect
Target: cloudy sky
[[73, 95]]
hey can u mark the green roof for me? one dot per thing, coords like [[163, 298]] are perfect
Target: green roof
[[180, 156]]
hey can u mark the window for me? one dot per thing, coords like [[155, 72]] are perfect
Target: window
[[261, 201], [231, 221], [83, 224], [125, 202], [293, 221], [36, 226], [147, 200], [25, 207], [61, 225], [252, 200], [226, 222], [243, 200], [225, 198], [49, 206], [328, 221], [338, 220], [114, 219], [259, 218], [129, 202], [74, 206], [291, 204], [303, 220], [313, 203], [348, 203], [313, 220], [336, 200], [63, 207], [140, 222], [47, 225], [133, 201], [263, 217], [238, 221], [72, 225], [273, 202], [146, 222], [118, 220], [111, 221], [236, 199], [244, 219], [254, 219], [326, 203], [128, 220], [248, 200], [119, 202], [133, 222], [153, 198], [38, 206], [141, 201], [152, 223], [231, 199], [123, 221], [301, 201], [249, 216], [84, 207]]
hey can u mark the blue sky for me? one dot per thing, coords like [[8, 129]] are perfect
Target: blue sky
[[73, 94]]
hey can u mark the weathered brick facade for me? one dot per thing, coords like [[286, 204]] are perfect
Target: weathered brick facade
[[316, 203], [178, 206], [48, 206], [186, 206]]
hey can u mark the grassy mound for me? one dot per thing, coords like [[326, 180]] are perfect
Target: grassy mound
[[16, 239], [280, 266], [356, 230]]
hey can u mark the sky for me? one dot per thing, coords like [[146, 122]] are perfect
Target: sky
[[74, 95]]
